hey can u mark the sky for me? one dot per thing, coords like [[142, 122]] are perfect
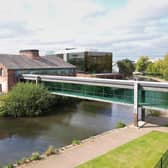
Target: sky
[[127, 28]]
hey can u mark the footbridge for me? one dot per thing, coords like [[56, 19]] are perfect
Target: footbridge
[[142, 95]]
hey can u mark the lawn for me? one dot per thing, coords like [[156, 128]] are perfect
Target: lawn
[[143, 152]]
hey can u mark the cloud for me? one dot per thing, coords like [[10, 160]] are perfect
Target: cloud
[[138, 28]]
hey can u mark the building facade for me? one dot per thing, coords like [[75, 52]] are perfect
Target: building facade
[[30, 62], [88, 61]]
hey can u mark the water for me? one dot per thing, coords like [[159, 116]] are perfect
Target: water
[[20, 137]]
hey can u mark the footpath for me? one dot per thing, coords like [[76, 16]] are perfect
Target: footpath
[[93, 147]]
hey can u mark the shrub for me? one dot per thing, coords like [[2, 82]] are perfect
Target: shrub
[[154, 113], [120, 125], [35, 156], [76, 142], [25, 99], [50, 151], [8, 166], [22, 161]]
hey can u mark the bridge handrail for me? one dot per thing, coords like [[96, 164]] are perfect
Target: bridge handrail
[[155, 86], [85, 80]]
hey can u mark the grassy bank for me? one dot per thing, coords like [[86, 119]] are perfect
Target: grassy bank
[[143, 152]]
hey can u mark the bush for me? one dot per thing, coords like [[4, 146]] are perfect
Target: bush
[[154, 113], [120, 125], [35, 156], [76, 142], [26, 99], [50, 151], [22, 161], [8, 166]]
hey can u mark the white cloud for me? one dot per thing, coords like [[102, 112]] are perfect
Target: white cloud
[[138, 28]]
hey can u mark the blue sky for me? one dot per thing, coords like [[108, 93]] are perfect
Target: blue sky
[[128, 28], [112, 4]]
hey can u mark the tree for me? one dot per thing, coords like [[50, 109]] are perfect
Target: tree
[[26, 99], [142, 64], [165, 73], [155, 68], [126, 67]]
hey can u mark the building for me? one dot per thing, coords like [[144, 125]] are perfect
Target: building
[[88, 61], [30, 62]]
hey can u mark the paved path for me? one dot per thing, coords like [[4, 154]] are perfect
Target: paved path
[[93, 148]]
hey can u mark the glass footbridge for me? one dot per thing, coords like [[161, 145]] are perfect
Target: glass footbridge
[[152, 95]]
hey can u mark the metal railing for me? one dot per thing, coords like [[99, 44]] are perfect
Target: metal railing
[[163, 162]]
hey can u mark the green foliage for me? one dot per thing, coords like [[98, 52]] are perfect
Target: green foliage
[[25, 99], [22, 161], [154, 113], [165, 73], [50, 151], [35, 156], [8, 166], [120, 124], [76, 142], [159, 68], [142, 64], [126, 67]]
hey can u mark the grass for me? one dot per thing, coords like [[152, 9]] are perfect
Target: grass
[[143, 152]]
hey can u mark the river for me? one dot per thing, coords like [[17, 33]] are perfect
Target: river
[[20, 137]]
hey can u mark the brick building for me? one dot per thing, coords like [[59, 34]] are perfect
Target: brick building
[[30, 62]]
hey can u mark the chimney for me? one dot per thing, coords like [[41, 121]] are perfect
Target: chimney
[[30, 53]]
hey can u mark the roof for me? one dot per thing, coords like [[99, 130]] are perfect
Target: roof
[[23, 62], [81, 50]]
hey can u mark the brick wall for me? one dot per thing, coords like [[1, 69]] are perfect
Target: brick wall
[[12, 80], [7, 79]]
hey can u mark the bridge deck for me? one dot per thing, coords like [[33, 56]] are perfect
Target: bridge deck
[[150, 94]]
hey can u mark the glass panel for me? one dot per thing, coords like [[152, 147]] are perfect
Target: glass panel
[[100, 92], [153, 98], [61, 72]]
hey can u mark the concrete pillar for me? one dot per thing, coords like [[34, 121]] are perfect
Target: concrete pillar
[[142, 114], [38, 79], [136, 104]]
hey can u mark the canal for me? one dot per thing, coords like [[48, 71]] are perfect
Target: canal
[[20, 137]]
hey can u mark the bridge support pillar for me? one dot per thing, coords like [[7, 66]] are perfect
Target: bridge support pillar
[[136, 104], [38, 79], [135, 119], [142, 114]]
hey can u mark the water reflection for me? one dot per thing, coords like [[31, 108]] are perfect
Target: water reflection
[[21, 137]]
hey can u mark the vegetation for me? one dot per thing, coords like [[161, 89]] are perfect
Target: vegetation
[[142, 64], [157, 68], [140, 153], [120, 125], [76, 142], [35, 156], [50, 151], [154, 113], [29, 100], [8, 166], [22, 161], [126, 67], [26, 99]]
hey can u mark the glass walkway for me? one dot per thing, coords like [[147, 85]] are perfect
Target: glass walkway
[[149, 94]]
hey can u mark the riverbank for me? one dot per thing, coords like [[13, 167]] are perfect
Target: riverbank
[[93, 147], [151, 78], [20, 137]]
